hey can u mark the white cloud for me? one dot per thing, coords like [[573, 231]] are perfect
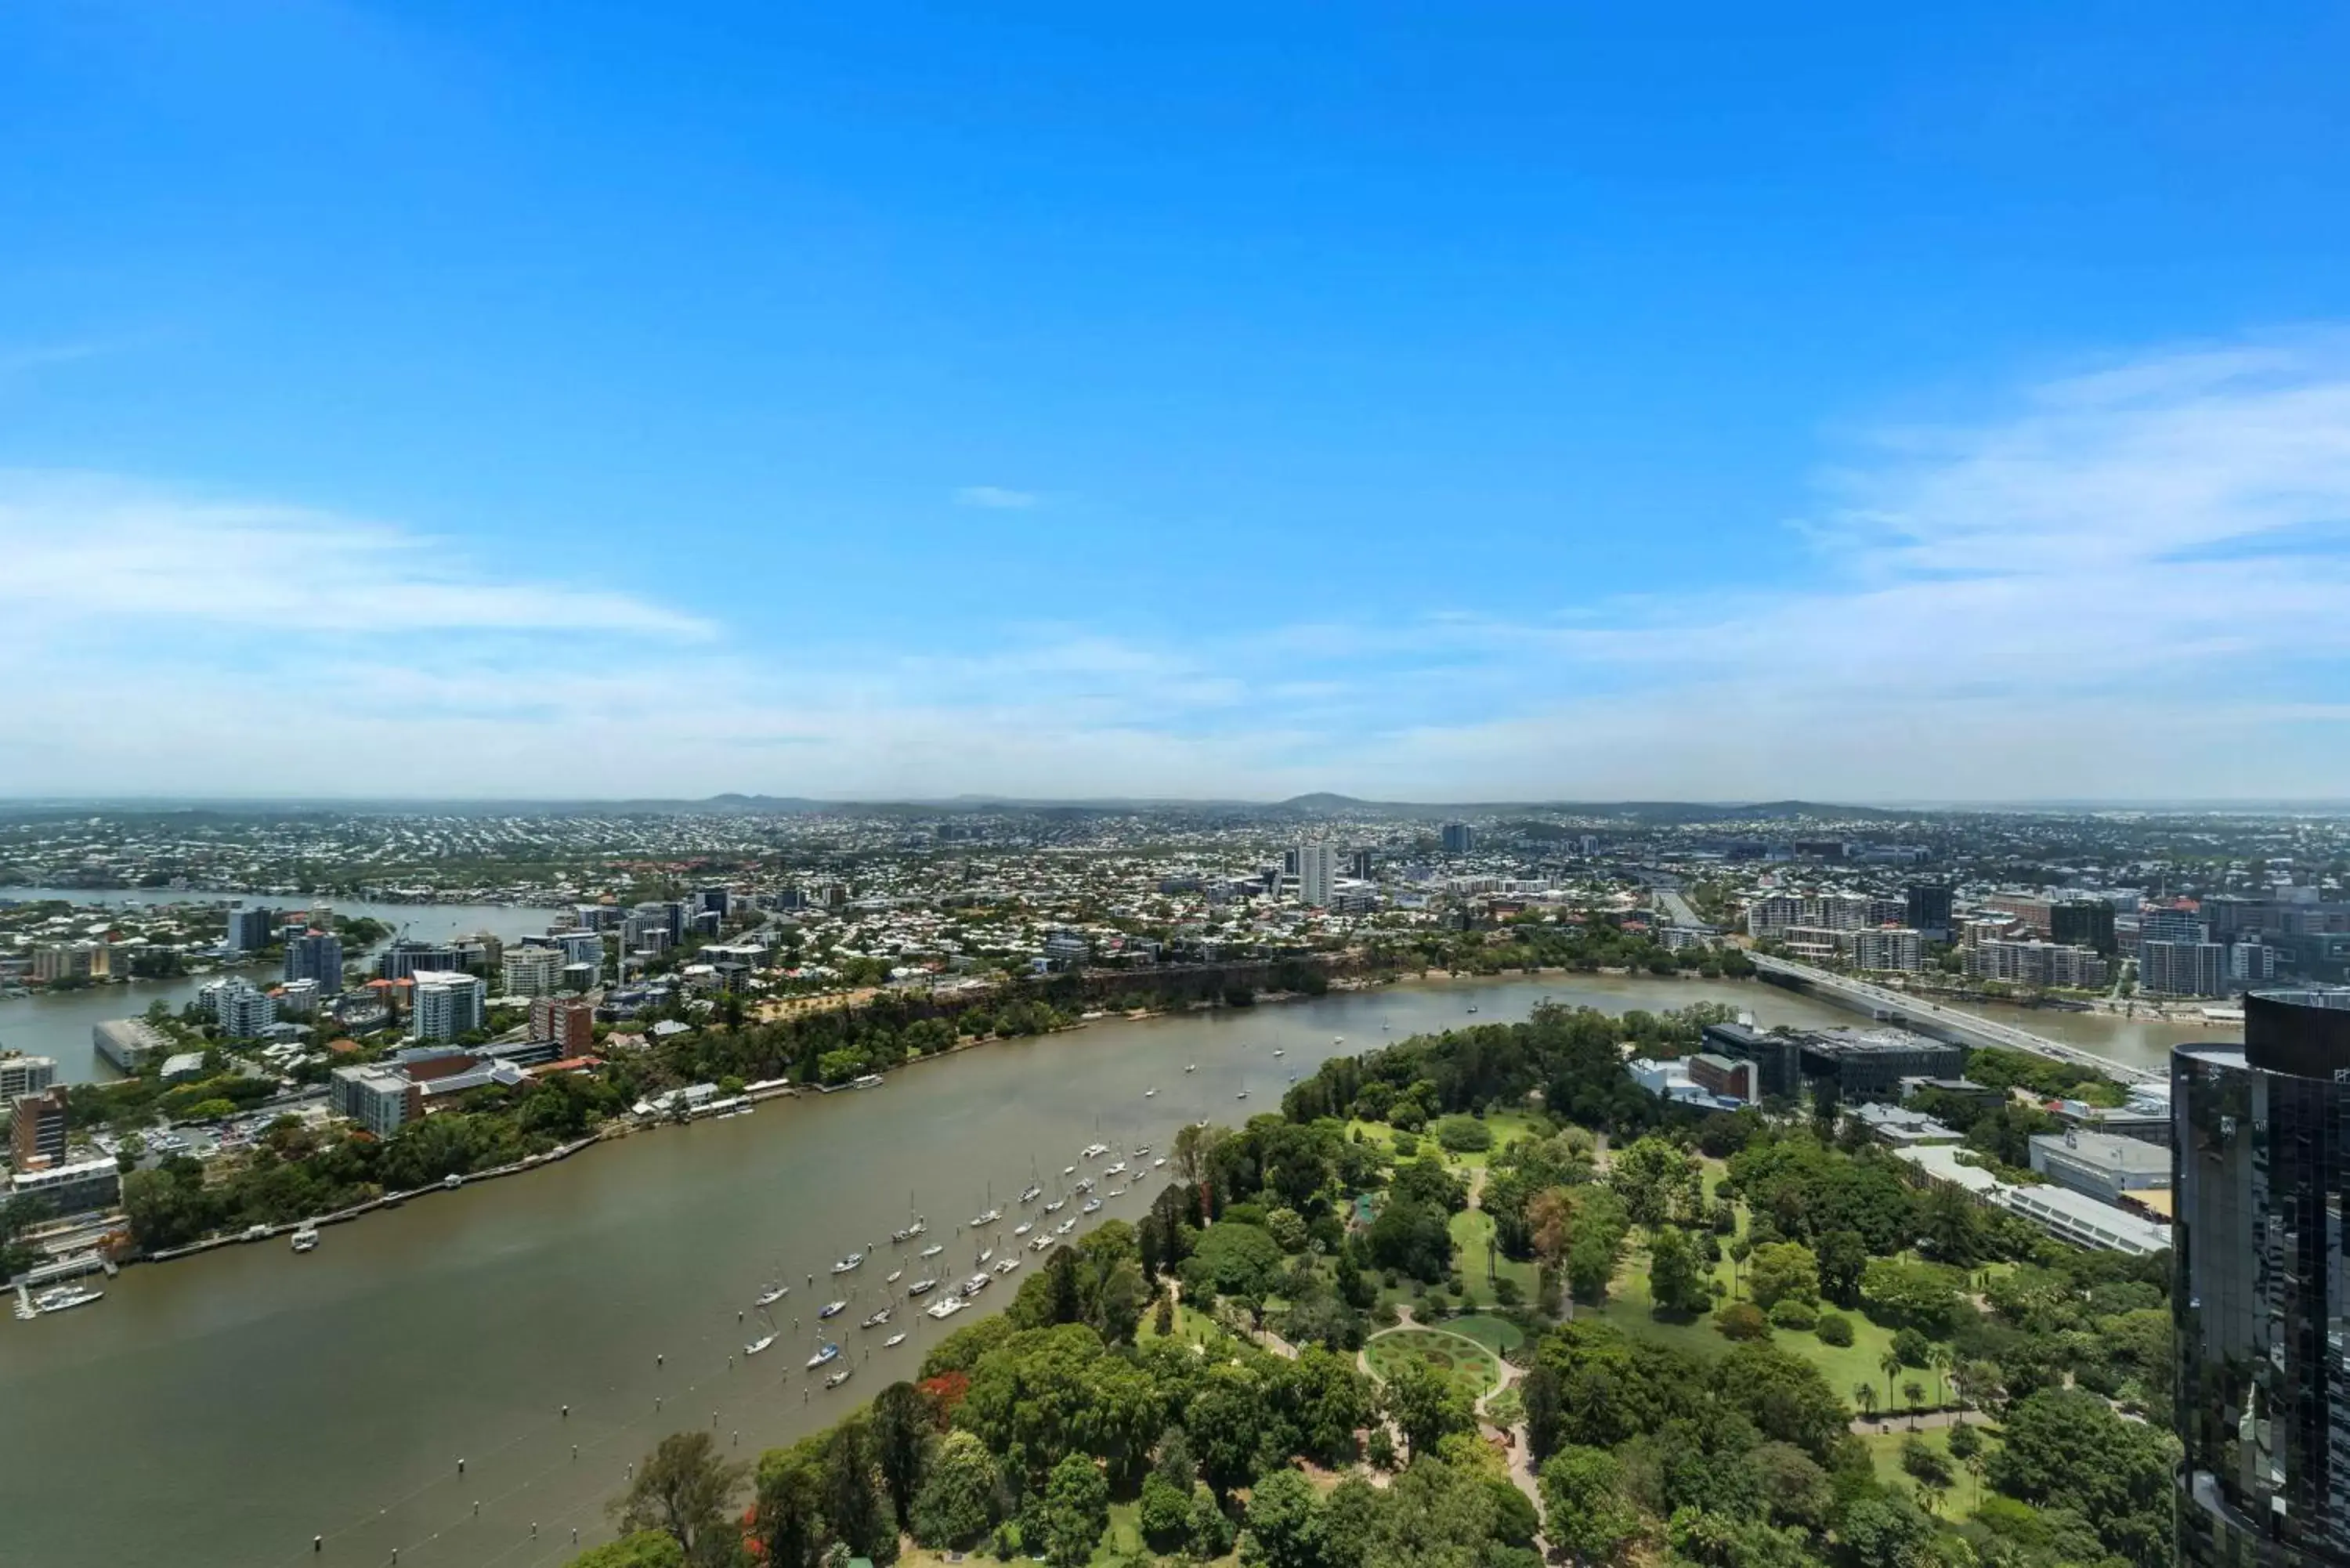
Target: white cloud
[[995, 498], [2129, 583]]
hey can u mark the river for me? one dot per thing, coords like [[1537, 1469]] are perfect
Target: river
[[59, 1025], [236, 1404]]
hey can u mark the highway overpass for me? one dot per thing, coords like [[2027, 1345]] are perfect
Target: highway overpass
[[1927, 1017]]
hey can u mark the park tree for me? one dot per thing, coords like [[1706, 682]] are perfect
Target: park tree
[[1674, 1284], [957, 1504], [1539, 1392], [855, 1511], [790, 1506], [902, 1425], [1284, 1527], [1782, 1271], [685, 1491], [1425, 1406], [1074, 1512]]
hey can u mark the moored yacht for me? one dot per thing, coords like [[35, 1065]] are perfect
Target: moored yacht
[[922, 1287], [829, 1309], [825, 1352], [933, 1250], [947, 1307], [853, 1261]]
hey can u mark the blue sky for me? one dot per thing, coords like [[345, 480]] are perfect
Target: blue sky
[[1436, 402]]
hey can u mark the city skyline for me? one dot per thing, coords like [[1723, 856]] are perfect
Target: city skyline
[[1474, 408]]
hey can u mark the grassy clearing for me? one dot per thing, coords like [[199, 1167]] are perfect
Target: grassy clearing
[[1467, 1364], [1885, 1454]]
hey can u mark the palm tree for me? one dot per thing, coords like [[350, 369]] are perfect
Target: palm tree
[[1944, 1361], [1890, 1365], [1864, 1395], [1915, 1392]]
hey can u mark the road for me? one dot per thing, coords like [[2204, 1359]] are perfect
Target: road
[[1971, 1028]]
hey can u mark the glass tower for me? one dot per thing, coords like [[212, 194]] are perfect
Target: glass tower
[[2261, 1169]]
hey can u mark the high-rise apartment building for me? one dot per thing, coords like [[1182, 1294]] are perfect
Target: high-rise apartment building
[[37, 1128], [1888, 947], [249, 930], [2171, 925], [1460, 838], [2182, 969], [316, 955], [240, 1009], [2083, 923], [1317, 870], [570, 1025], [449, 1004], [1928, 909], [532, 971], [1363, 865], [2261, 1180], [22, 1075]]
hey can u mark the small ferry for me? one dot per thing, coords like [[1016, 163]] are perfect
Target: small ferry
[[922, 1287], [306, 1240], [829, 1309], [59, 1298], [825, 1352], [853, 1261], [869, 1081], [947, 1307]]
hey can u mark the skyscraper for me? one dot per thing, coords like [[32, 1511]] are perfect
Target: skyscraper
[[2261, 1178], [248, 930], [316, 955], [1460, 838], [1317, 868]]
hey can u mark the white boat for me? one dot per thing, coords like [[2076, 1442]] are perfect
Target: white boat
[[1116, 1168], [1140, 1149], [1191, 1067], [306, 1240], [1041, 1242], [853, 1261], [985, 1253], [759, 1344], [980, 1221], [876, 1319], [869, 1081], [947, 1307], [829, 1309], [1093, 1206], [1008, 1265], [1337, 1040], [933, 1250], [773, 1294], [452, 1182], [973, 1286], [895, 1275], [1120, 1192], [1035, 1191], [1055, 1206], [1472, 1007], [922, 1287], [911, 1232], [839, 1377], [1086, 1186], [1068, 1170], [1160, 1161], [65, 1298], [1241, 1096], [1024, 1228], [825, 1352], [1279, 1051], [894, 1341], [1147, 1093], [1064, 1227], [1093, 1152]]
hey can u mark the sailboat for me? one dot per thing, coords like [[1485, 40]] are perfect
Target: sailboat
[[894, 1341], [777, 1291], [878, 1317], [913, 1230], [991, 1214], [1191, 1067], [934, 1248], [829, 1309], [853, 1261], [765, 1339], [895, 1275], [828, 1351], [1036, 1188], [839, 1377]]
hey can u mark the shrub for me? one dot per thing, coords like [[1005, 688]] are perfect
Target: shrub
[[1912, 1347], [1741, 1320], [1791, 1312], [1507, 1293], [1463, 1135], [1834, 1328]]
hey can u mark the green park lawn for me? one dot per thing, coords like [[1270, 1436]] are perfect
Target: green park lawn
[[1885, 1454], [1466, 1362]]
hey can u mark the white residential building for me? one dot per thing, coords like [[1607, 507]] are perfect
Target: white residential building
[[449, 1004], [1318, 873], [533, 971]]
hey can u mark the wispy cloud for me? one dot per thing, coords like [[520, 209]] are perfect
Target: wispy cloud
[[2133, 581], [995, 498]]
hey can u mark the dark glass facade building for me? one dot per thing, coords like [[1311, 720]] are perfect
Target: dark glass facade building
[[2260, 1175]]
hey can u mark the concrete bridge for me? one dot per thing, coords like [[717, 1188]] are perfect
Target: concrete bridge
[[1927, 1017]]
